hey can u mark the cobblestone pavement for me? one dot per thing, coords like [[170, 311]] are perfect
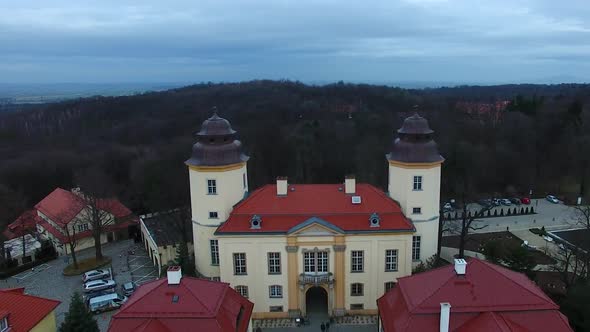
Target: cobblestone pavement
[[47, 280], [341, 324]]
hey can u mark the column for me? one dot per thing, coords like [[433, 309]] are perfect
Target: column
[[293, 276], [339, 276]]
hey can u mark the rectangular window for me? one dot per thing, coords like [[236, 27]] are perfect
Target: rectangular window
[[240, 263], [389, 285], [212, 187], [356, 306], [4, 324], [274, 263], [83, 227], [416, 210], [216, 278], [315, 261], [390, 260], [416, 247], [275, 291], [356, 289], [357, 260], [244, 180], [213, 215], [214, 252], [276, 308], [417, 182], [242, 290]]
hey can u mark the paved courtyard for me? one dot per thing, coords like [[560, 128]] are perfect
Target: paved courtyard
[[551, 216], [47, 280]]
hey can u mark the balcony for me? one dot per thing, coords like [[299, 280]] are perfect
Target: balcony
[[316, 279]]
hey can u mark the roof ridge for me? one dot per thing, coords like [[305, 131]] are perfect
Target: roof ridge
[[245, 199], [495, 268], [209, 310], [432, 293]]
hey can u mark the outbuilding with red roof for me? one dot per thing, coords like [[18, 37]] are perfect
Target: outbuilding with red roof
[[20, 312], [472, 295], [179, 303]]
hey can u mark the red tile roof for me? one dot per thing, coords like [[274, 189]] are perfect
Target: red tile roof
[[212, 306], [24, 224], [326, 202], [487, 298], [24, 311], [61, 206]]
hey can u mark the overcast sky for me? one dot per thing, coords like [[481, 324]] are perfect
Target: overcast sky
[[473, 41]]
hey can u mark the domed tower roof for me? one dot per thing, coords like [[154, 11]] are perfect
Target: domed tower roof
[[216, 144], [415, 143]]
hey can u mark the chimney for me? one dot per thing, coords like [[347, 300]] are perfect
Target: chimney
[[460, 266], [445, 316], [174, 275], [282, 186], [349, 184]]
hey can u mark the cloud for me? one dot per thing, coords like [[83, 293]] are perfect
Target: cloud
[[308, 40]]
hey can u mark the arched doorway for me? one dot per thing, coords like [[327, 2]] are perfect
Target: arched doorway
[[316, 303]]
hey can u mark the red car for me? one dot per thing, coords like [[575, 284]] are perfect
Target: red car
[[525, 200]]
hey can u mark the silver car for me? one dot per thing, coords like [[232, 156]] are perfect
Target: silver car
[[96, 274], [96, 285]]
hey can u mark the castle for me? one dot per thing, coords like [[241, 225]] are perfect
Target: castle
[[289, 246]]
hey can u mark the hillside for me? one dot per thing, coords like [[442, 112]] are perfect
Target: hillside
[[496, 139]]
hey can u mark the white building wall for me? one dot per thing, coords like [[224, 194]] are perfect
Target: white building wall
[[374, 276], [258, 279], [231, 189], [401, 189]]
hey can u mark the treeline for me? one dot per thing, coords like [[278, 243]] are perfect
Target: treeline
[[539, 141]]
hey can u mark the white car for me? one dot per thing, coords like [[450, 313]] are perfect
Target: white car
[[548, 238], [552, 199], [96, 274], [96, 285]]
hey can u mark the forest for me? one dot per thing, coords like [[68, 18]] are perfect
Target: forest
[[497, 140]]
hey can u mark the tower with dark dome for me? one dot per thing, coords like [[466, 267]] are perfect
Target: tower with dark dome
[[414, 182], [218, 180]]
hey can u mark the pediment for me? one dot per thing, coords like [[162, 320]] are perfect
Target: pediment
[[314, 227]]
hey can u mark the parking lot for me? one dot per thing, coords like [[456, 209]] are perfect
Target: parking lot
[[551, 216], [129, 263]]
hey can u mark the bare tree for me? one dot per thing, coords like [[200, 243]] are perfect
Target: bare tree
[[581, 216], [571, 264], [96, 195], [72, 241]]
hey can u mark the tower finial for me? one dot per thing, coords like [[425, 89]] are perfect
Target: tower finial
[[214, 109], [416, 108]]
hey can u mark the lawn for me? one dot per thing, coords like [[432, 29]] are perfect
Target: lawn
[[86, 265]]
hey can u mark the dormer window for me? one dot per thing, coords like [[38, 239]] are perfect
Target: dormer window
[[4, 324], [374, 220], [255, 222]]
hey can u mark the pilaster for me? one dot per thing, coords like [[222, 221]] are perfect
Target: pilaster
[[339, 276], [293, 271]]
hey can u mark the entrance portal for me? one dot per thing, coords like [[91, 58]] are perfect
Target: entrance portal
[[316, 303]]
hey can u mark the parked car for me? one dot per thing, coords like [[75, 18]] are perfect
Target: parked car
[[505, 201], [515, 201], [552, 199], [486, 203], [525, 200], [106, 302], [96, 274], [496, 201], [128, 288], [96, 285], [89, 295]]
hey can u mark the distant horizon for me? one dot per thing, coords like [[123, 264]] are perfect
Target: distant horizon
[[377, 42]]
